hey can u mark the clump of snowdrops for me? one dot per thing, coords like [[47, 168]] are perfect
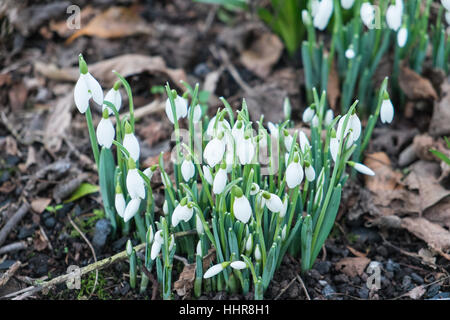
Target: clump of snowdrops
[[362, 33], [242, 195]]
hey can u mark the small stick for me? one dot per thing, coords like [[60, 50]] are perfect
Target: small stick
[[284, 289], [15, 219], [9, 273], [15, 246], [303, 286]]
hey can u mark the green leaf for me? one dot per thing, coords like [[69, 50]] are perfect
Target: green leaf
[[441, 156], [106, 171], [83, 190]]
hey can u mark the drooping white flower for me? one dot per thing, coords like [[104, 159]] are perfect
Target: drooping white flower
[[131, 143], [241, 207], [214, 151], [246, 150], [220, 180], [199, 225], [182, 212], [273, 129], [222, 125], [285, 206], [135, 183], [105, 131], [352, 129], [347, 4], [207, 174], [288, 139], [180, 108], [367, 14], [349, 53], [199, 250], [447, 17], [306, 18], [310, 173], [315, 121], [214, 270], [273, 202], [254, 189], [187, 169], [304, 142], [361, 168], [131, 209], [386, 111], [238, 265], [314, 7], [283, 233], [229, 159], [308, 114], [402, 37], [119, 202], [238, 131], [165, 208], [323, 15], [446, 4], [257, 253], [249, 243], [149, 171], [156, 246], [86, 88], [113, 96], [329, 116], [334, 148], [197, 114], [294, 174], [394, 16]]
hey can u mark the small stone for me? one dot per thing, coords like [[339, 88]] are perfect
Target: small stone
[[6, 264], [5, 176], [391, 266], [201, 70], [441, 296], [119, 244], [323, 283], [323, 267], [124, 289], [25, 232], [341, 278], [407, 283], [363, 293], [102, 231], [433, 290], [313, 273], [328, 291], [50, 222], [416, 278]]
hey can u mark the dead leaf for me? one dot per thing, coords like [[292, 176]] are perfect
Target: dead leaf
[[62, 27], [439, 213], [18, 96], [116, 22], [126, 65], [11, 146], [415, 86], [352, 267], [38, 205], [356, 252], [57, 123], [440, 120], [422, 145], [427, 256], [385, 177], [416, 293], [266, 99], [262, 54], [39, 241], [434, 235], [7, 187], [185, 282], [333, 89]]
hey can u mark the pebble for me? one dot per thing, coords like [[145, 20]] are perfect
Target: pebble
[[341, 278], [49, 220], [441, 296], [392, 266], [323, 267], [119, 244], [417, 279], [407, 283], [25, 232], [328, 291], [201, 70], [363, 293], [433, 290], [102, 231], [6, 264], [5, 176]]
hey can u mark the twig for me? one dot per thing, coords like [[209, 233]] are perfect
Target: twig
[[15, 246], [92, 249], [9, 273], [303, 286], [285, 288], [153, 280], [13, 221], [184, 260]]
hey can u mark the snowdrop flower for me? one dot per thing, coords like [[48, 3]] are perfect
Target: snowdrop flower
[[257, 253], [157, 243], [131, 209], [165, 208], [105, 131], [131, 143], [199, 250], [367, 14], [304, 142], [308, 114], [254, 189], [241, 206], [113, 96], [314, 7], [309, 172], [273, 129], [350, 53], [446, 4], [197, 113], [294, 173], [150, 235], [394, 15], [238, 131], [249, 245], [220, 180], [187, 169], [229, 159], [135, 183], [199, 226], [306, 18], [329, 116], [214, 151], [288, 140], [180, 108], [347, 4], [272, 201], [283, 233], [86, 88], [447, 17], [215, 270], [119, 202], [334, 148], [285, 206], [315, 121], [222, 124], [238, 265], [324, 12], [207, 174], [246, 150], [353, 127], [361, 168], [387, 110], [149, 171], [184, 211], [402, 37]]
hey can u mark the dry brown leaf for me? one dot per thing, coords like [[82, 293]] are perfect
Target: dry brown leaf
[[415, 86], [116, 22], [385, 177], [38, 205], [422, 145], [440, 120], [58, 122], [18, 95], [333, 89], [185, 282], [416, 293], [262, 54], [352, 267], [427, 256], [439, 213], [62, 27], [126, 65], [356, 252], [433, 234], [39, 241]]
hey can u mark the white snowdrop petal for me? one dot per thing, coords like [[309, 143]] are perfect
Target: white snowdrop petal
[[95, 89], [304, 142], [120, 204], [446, 4], [214, 270], [131, 209], [207, 174], [308, 114], [81, 95], [350, 53], [274, 203], [197, 113], [238, 265], [324, 12], [310, 173], [214, 151], [246, 151], [220, 181], [355, 125], [242, 209], [131, 143], [402, 37], [387, 111], [294, 175], [135, 184], [364, 169], [334, 148], [347, 4], [187, 170], [394, 17], [114, 97], [105, 133], [367, 14], [180, 108], [156, 248], [329, 116]]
